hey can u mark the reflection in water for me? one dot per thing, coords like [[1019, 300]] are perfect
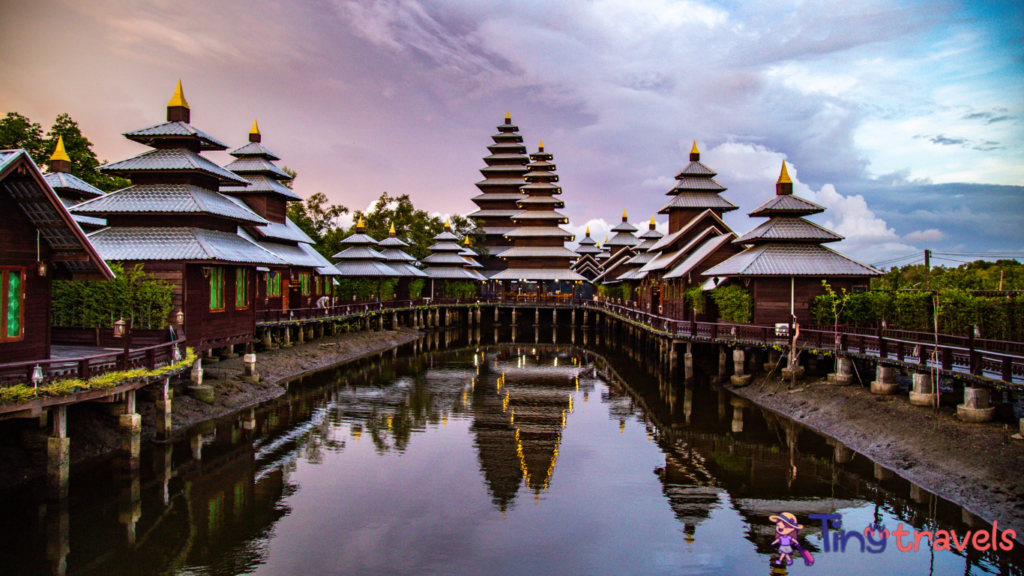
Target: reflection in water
[[457, 457]]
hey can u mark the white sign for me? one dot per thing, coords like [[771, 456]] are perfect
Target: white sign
[[781, 329]]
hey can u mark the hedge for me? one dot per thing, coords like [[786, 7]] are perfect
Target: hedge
[[132, 294], [734, 303]]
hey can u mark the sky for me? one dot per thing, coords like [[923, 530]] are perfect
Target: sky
[[903, 119]]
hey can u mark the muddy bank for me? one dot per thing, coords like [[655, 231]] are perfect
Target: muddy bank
[[93, 427], [974, 465]]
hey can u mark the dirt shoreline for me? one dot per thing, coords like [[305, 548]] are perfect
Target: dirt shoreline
[[974, 465], [93, 428]]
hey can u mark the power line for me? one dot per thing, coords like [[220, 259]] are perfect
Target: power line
[[916, 256]]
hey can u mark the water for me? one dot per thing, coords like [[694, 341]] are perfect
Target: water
[[481, 459]]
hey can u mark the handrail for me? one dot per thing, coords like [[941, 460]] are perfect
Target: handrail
[[85, 367]]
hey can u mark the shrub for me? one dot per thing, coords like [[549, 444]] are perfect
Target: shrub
[[132, 294], [734, 303], [695, 299]]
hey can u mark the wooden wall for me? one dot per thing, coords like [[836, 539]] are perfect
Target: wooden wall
[[772, 297], [205, 329], [18, 248]]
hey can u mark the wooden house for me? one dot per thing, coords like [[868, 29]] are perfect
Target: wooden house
[[308, 276], [39, 241], [784, 262], [175, 222]]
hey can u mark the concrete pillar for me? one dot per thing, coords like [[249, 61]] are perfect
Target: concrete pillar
[[976, 407], [885, 380], [268, 343], [394, 320], [774, 358], [923, 392], [250, 374], [536, 334], [58, 455], [130, 506], [514, 315], [572, 317], [197, 372], [163, 410], [496, 313], [673, 357], [287, 343], [301, 333], [918, 494], [478, 313], [882, 473], [688, 402], [249, 420], [842, 454], [737, 414], [739, 377], [688, 362], [536, 315], [230, 352], [586, 313], [793, 369], [843, 375], [723, 362], [58, 537], [130, 424], [309, 332], [196, 443]]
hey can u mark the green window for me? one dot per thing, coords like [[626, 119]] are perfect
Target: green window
[[304, 281], [12, 297], [217, 289], [273, 284], [241, 288]]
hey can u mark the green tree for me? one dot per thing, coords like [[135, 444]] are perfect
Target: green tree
[[413, 225], [319, 219], [83, 160], [289, 183], [17, 131]]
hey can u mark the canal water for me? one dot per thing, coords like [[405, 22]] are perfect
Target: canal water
[[464, 454]]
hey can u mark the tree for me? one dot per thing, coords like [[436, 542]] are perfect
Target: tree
[[79, 149], [17, 131], [318, 218], [413, 225], [289, 183]]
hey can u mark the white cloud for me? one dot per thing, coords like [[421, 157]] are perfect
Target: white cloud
[[929, 235]]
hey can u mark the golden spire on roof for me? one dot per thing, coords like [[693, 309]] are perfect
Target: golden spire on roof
[[606, 238], [694, 149], [59, 153], [179, 97], [624, 214], [392, 228], [541, 143], [447, 223], [360, 225], [508, 115], [784, 177], [588, 230], [653, 223], [466, 243], [255, 127]]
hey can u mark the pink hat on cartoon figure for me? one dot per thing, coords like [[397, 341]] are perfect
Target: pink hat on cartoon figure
[[787, 519]]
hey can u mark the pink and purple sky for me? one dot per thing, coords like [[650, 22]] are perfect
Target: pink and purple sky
[[902, 118]]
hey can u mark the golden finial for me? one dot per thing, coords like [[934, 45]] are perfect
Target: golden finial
[[466, 243], [508, 115], [653, 223], [624, 215], [541, 143], [255, 127], [59, 153], [784, 177], [588, 230], [694, 149], [447, 223], [606, 239], [179, 97], [392, 228], [360, 225]]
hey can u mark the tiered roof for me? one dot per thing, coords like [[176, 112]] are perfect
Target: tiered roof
[[587, 264], [70, 188], [499, 190], [539, 252], [444, 261], [360, 259], [623, 235], [173, 210], [696, 189], [396, 258], [255, 163], [647, 240], [471, 263], [788, 245], [588, 245]]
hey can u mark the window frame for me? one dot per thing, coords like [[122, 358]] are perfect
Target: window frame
[[243, 275], [304, 285], [5, 272], [217, 275]]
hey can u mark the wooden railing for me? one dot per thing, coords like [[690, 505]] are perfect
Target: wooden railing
[[87, 367]]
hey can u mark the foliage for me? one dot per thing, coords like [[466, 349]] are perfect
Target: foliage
[[625, 291], [23, 392], [604, 291], [132, 294], [457, 289], [320, 221], [695, 299], [734, 303], [17, 131], [415, 226], [364, 289], [977, 275], [416, 288]]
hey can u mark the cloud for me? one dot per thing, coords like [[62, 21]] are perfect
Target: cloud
[[942, 140], [929, 235]]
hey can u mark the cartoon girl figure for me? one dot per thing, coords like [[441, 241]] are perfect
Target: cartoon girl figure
[[786, 533]]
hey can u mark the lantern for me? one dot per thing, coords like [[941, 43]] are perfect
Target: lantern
[[119, 327], [42, 268], [179, 317], [37, 376]]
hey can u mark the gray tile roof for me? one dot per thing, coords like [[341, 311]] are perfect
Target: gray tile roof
[[622, 239], [497, 181], [540, 232], [539, 215], [668, 259], [394, 242], [292, 254], [495, 196], [444, 258], [498, 230], [555, 202], [89, 221], [359, 252], [788, 228], [446, 235], [257, 165], [396, 255], [167, 199], [698, 200], [139, 243], [636, 274], [538, 274], [624, 227], [699, 255], [365, 268], [254, 149], [688, 184], [450, 273], [260, 184], [779, 259], [175, 130], [700, 219], [172, 160], [61, 181], [695, 168], [406, 269], [493, 213], [643, 258], [787, 204], [287, 231], [360, 239], [587, 249], [325, 268], [538, 251], [445, 247]]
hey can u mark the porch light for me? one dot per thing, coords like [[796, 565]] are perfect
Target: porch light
[[179, 317], [119, 328], [37, 376], [42, 269]]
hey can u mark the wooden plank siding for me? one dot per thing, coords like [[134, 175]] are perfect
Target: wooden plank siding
[[772, 297], [205, 329], [18, 249]]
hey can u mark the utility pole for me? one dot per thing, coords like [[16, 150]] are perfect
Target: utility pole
[[927, 268]]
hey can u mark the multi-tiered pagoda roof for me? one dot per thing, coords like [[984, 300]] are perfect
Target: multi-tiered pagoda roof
[[587, 264], [360, 259], [396, 258], [70, 188], [173, 210], [444, 261], [471, 263], [647, 240], [788, 245], [539, 251], [499, 191], [694, 192]]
